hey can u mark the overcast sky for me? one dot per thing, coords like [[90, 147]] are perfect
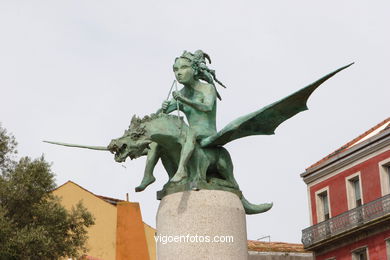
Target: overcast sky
[[76, 71]]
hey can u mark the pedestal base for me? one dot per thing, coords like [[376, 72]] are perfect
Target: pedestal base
[[204, 224]]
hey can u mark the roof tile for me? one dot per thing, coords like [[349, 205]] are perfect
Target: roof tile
[[260, 246], [353, 142]]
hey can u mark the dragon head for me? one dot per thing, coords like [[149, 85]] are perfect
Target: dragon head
[[132, 144], [124, 147]]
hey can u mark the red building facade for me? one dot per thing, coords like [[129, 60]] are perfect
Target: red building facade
[[349, 200]]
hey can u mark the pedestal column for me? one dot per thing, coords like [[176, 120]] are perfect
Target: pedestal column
[[204, 224]]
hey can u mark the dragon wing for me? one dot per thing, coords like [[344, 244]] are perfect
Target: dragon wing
[[267, 119]]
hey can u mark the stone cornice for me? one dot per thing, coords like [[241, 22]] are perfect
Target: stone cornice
[[347, 157]]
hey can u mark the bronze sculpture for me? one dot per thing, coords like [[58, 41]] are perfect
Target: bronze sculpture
[[193, 155]]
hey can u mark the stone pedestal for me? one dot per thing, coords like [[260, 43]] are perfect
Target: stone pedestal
[[204, 224]]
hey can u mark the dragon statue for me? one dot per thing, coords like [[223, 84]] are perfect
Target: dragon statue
[[162, 136]]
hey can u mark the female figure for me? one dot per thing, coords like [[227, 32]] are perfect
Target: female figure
[[197, 100]]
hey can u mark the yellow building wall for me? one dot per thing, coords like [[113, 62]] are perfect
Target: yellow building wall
[[102, 236], [150, 241]]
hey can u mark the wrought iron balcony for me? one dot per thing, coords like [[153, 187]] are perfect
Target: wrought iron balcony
[[351, 219]]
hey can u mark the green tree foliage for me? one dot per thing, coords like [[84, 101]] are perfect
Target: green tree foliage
[[7, 150], [33, 223]]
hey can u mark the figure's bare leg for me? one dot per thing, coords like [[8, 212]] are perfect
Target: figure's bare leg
[[225, 168], [185, 155], [151, 161]]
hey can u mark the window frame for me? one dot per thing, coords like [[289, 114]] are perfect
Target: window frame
[[358, 250], [384, 175], [320, 204], [351, 197]]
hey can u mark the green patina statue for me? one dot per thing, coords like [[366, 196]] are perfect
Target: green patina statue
[[193, 155]]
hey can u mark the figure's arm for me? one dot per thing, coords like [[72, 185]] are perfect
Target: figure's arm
[[152, 158], [170, 105], [207, 103]]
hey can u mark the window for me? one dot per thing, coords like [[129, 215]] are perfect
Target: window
[[325, 205], [360, 254], [354, 191], [322, 202], [384, 172], [387, 172]]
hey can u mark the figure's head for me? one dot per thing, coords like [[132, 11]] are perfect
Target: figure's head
[[192, 66], [184, 72], [195, 61]]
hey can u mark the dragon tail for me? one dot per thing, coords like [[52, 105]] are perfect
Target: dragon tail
[[255, 208]]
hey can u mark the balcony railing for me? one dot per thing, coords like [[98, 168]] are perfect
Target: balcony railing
[[346, 221]]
